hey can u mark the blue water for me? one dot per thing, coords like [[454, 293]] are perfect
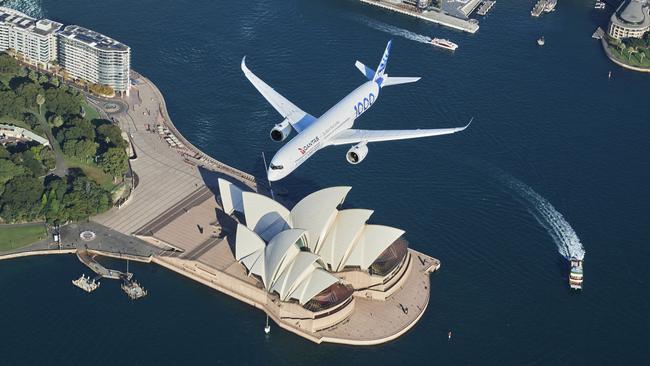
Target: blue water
[[546, 117]]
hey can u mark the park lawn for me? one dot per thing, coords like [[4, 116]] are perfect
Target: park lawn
[[91, 112], [17, 236], [92, 171]]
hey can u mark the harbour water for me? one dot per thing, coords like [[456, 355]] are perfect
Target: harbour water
[[548, 117]]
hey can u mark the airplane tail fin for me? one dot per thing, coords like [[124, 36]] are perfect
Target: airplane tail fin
[[381, 69]]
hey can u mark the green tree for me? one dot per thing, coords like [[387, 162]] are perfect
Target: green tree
[[8, 170], [110, 134], [83, 149], [40, 100], [21, 200], [48, 158], [114, 162]]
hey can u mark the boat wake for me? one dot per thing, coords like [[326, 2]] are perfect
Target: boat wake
[[393, 30], [566, 239], [33, 8]]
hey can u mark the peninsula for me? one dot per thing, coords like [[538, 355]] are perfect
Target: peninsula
[[318, 271]]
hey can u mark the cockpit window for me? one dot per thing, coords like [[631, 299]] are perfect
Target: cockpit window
[[276, 167]]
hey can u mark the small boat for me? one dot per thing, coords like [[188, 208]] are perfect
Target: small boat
[[550, 6], [267, 328], [444, 43], [541, 41], [576, 274]]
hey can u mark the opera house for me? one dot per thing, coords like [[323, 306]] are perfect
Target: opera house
[[316, 262]]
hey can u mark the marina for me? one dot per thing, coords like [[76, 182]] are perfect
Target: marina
[[485, 7]]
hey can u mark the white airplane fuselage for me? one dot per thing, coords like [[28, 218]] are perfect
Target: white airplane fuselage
[[317, 135]]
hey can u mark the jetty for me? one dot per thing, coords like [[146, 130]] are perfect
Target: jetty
[[485, 7], [89, 260], [435, 15]]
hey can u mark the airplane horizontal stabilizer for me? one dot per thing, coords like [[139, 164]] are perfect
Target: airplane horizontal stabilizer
[[391, 80], [365, 70]]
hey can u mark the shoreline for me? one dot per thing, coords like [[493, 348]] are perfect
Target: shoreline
[[193, 275], [609, 55]]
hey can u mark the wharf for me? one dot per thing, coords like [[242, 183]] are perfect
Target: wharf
[[434, 16], [89, 260], [485, 7]]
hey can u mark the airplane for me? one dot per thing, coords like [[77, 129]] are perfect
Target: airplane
[[335, 126]]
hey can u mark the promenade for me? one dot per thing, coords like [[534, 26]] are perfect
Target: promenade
[[165, 175]]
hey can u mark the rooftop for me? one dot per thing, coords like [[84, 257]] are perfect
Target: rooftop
[[92, 38], [632, 13], [20, 20]]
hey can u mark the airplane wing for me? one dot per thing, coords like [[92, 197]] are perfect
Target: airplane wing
[[355, 136], [298, 118]]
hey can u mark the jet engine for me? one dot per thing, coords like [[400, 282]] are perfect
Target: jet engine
[[357, 153], [281, 131]]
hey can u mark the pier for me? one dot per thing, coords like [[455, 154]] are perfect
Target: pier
[[434, 16], [485, 7], [89, 260]]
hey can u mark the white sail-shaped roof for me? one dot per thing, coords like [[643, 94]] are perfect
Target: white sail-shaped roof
[[231, 197], [247, 242], [280, 252], [343, 233], [264, 216], [318, 281], [332, 237], [373, 241], [316, 212], [302, 266], [249, 250]]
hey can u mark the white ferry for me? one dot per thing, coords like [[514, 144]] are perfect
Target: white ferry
[[576, 274], [444, 43]]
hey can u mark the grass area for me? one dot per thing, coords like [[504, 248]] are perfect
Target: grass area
[[17, 236], [634, 59], [92, 171], [91, 112]]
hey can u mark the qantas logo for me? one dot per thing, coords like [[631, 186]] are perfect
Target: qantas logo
[[306, 148]]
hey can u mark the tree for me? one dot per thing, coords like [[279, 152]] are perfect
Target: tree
[[55, 121], [110, 134], [8, 170], [21, 200], [114, 162], [43, 79], [8, 65], [40, 100], [83, 149]]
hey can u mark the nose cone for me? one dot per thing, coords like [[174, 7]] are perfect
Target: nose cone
[[271, 175]]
